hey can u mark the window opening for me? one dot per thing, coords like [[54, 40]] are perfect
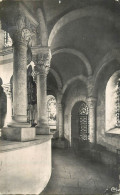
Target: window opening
[[7, 39], [51, 108]]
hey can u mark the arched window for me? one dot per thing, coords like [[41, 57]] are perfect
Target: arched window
[[7, 39], [112, 102], [51, 108]]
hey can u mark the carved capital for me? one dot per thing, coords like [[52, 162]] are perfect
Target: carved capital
[[20, 33], [7, 89], [41, 58], [17, 22], [41, 69]]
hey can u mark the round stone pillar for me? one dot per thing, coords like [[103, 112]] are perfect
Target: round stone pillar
[[60, 120], [20, 82], [20, 28], [92, 119], [41, 97], [41, 57], [7, 90]]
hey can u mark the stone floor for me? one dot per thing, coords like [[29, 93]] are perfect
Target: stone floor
[[72, 174]]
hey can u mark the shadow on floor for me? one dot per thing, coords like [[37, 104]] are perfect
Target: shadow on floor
[[73, 174]]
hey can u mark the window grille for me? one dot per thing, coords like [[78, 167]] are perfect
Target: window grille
[[83, 122]]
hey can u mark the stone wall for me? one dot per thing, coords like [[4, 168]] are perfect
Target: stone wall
[[25, 167], [104, 136], [6, 72], [75, 94]]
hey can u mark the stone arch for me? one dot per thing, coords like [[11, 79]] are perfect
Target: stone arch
[[43, 28], [69, 98], [57, 78], [77, 14], [79, 121], [109, 57], [70, 81], [79, 55]]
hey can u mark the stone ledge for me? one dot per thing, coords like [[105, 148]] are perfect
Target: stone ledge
[[25, 170], [6, 145], [113, 131]]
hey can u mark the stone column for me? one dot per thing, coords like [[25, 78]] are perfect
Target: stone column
[[20, 27], [60, 117], [60, 120], [19, 129], [7, 90], [20, 82], [92, 119], [41, 57]]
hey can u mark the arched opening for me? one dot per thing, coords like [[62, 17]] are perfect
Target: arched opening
[[7, 40], [112, 112], [51, 109], [79, 125]]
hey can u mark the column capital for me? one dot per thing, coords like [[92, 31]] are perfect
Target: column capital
[[91, 102], [21, 33], [7, 89], [17, 21], [41, 58]]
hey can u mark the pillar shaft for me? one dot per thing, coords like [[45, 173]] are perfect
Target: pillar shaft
[[92, 119], [20, 27], [41, 58], [20, 82], [60, 120], [41, 99]]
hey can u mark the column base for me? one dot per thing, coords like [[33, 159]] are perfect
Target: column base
[[19, 133], [42, 129]]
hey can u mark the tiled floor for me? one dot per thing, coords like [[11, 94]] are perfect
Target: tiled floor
[[74, 175]]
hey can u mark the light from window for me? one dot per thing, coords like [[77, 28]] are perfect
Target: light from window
[[7, 39], [51, 107]]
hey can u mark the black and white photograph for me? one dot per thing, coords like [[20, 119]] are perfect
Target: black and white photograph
[[60, 97]]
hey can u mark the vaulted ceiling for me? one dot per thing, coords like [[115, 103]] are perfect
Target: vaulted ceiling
[[81, 33]]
